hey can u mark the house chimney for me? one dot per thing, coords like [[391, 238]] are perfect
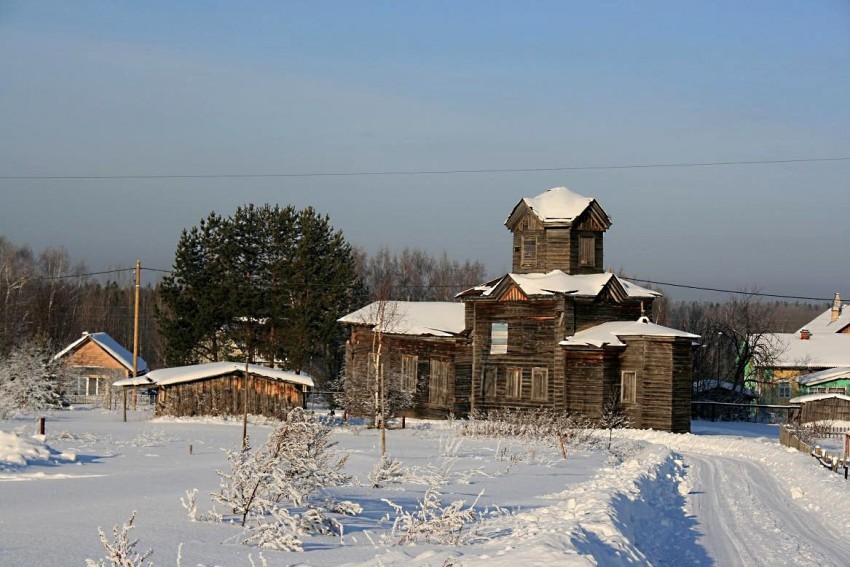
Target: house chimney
[[836, 308], [805, 334]]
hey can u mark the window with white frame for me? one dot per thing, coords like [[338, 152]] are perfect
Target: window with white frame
[[498, 338], [539, 384], [628, 386], [409, 371], [438, 382], [784, 389], [827, 390], [513, 383]]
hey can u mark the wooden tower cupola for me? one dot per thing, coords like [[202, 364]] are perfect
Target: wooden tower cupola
[[558, 230]]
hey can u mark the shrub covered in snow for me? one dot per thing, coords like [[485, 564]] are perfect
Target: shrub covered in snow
[[287, 471], [433, 522], [120, 552], [30, 380]]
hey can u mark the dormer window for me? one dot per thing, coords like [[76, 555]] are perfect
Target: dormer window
[[529, 250], [587, 251]]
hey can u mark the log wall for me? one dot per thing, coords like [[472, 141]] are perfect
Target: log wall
[[223, 395]]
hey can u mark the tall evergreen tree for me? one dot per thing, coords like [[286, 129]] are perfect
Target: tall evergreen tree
[[271, 280]]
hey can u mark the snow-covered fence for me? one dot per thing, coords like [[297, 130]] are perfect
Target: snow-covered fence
[[788, 437]]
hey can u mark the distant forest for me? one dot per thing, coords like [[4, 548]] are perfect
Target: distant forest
[[48, 296]]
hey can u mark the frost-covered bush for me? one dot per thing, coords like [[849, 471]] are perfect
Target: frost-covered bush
[[30, 380], [537, 425], [433, 522], [120, 552], [294, 464], [387, 470]]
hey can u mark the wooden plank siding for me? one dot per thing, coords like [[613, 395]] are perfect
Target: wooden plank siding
[[449, 349], [534, 328], [223, 395]]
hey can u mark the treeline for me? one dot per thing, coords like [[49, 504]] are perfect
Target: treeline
[[47, 297], [415, 275]]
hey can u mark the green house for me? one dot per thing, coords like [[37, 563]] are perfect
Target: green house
[[829, 381]]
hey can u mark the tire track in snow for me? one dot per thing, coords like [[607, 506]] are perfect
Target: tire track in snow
[[748, 519]]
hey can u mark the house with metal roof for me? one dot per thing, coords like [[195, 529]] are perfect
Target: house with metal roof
[[97, 360]]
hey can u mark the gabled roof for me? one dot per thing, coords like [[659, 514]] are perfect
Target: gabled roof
[[195, 372], [823, 323], [818, 351], [558, 282], [419, 318], [107, 343], [558, 206], [610, 333], [828, 375]]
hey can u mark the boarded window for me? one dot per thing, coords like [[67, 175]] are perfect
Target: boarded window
[[628, 386], [540, 384], [498, 338], [513, 381], [409, 364], [490, 383], [438, 385], [529, 250], [586, 251], [784, 389]]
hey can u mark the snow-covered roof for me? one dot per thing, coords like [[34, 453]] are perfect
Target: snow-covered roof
[[423, 318], [611, 332], [816, 397], [818, 351], [822, 376], [558, 204], [195, 372], [558, 282], [823, 323], [107, 343]]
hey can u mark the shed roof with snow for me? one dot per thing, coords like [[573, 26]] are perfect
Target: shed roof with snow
[[196, 372], [418, 318]]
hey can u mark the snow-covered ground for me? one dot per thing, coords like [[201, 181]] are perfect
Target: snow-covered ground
[[728, 494]]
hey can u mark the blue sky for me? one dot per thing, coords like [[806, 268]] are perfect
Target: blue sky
[[160, 88]]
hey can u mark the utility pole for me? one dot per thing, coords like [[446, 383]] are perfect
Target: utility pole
[[136, 329], [138, 279]]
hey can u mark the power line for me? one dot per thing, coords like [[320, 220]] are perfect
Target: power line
[[737, 292], [418, 172], [469, 286]]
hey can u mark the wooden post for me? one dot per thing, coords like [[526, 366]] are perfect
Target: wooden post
[[41, 425], [138, 281]]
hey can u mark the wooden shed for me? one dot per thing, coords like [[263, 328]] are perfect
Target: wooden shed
[[216, 389], [821, 407], [97, 360]]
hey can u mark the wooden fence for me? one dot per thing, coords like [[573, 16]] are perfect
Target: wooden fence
[[788, 438]]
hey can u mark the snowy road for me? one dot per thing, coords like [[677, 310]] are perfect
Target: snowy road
[[748, 519]]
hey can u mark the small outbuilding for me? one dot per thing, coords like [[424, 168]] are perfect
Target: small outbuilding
[[216, 389], [821, 407]]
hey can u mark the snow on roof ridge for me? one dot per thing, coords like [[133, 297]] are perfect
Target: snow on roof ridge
[[431, 318], [609, 333], [194, 372], [558, 203], [110, 345]]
